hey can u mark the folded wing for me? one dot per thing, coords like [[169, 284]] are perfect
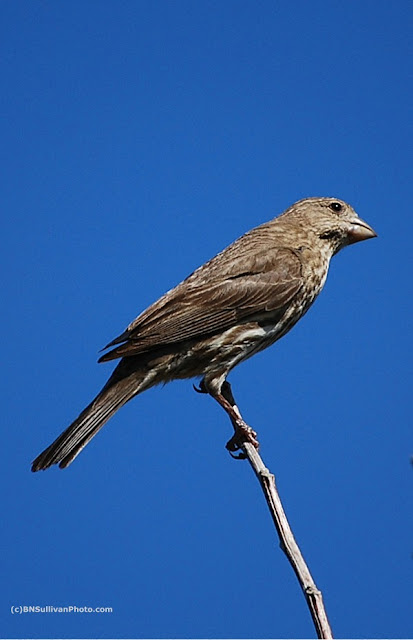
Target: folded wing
[[253, 290]]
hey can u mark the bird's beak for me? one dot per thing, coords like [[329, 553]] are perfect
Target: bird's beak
[[360, 230]]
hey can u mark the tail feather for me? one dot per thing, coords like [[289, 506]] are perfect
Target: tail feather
[[71, 442]]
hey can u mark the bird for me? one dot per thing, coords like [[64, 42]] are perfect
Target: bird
[[238, 303]]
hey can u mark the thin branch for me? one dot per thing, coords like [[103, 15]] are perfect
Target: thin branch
[[287, 542], [243, 433]]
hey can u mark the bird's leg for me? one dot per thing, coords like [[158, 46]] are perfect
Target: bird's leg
[[243, 433]]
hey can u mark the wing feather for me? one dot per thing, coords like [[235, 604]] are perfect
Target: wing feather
[[192, 311]]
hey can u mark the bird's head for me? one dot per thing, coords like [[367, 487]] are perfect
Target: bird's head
[[332, 220]]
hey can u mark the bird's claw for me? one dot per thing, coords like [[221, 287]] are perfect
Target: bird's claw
[[201, 388], [240, 456], [243, 433]]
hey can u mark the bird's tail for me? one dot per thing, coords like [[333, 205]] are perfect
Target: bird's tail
[[71, 442]]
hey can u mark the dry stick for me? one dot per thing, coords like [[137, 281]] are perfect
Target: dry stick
[[287, 541]]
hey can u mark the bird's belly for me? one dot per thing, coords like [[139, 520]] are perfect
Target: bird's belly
[[219, 354]]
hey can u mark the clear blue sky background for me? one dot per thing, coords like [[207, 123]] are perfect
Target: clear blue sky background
[[138, 139]]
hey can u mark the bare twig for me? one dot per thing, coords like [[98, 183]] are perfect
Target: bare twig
[[287, 541]]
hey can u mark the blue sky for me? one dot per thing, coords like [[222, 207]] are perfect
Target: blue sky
[[139, 139]]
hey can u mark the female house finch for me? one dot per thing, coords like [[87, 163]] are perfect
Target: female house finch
[[233, 306]]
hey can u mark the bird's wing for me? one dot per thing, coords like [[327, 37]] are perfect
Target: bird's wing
[[194, 311]]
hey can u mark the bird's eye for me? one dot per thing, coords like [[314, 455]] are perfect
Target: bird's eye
[[336, 207]]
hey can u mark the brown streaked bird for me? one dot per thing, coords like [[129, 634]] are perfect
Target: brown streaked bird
[[233, 306]]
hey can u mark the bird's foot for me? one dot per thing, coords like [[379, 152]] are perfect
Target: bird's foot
[[243, 433]]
